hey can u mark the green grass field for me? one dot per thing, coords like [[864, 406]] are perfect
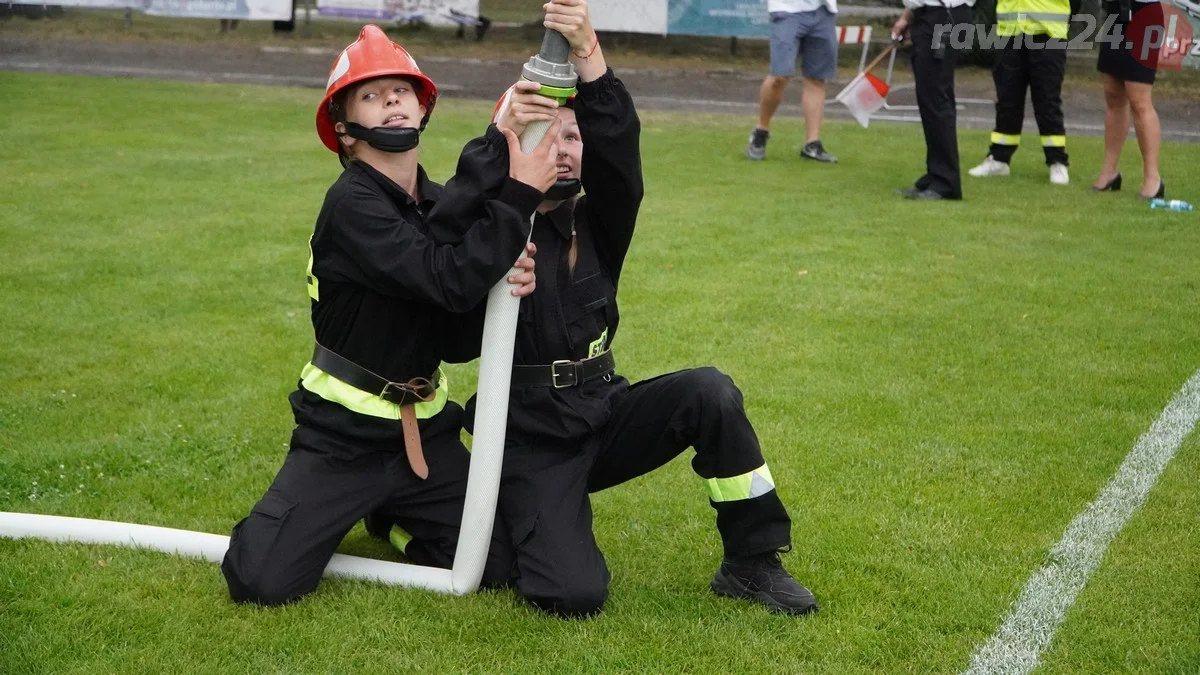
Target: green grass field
[[939, 389]]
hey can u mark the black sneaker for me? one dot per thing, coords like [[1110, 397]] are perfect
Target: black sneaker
[[816, 151], [757, 148], [762, 579], [377, 525]]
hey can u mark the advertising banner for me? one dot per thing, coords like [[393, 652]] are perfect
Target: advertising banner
[[102, 4], [272, 10], [434, 12], [721, 18], [629, 16]]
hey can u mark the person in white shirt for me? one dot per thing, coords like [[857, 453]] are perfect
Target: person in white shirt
[[930, 23], [807, 28]]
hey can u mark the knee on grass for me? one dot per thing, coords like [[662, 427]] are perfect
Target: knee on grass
[[269, 592], [576, 601]]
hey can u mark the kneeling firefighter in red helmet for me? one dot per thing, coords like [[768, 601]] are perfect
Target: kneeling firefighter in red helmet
[[398, 274]]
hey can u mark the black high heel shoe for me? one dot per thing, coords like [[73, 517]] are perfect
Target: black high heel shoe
[[1162, 192], [1113, 185]]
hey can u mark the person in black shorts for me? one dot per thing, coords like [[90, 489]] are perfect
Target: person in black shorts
[[1128, 74]]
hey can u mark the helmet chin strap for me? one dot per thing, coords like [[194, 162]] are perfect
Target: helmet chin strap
[[564, 188], [386, 139]]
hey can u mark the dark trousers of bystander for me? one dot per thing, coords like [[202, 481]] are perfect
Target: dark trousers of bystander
[[933, 70]]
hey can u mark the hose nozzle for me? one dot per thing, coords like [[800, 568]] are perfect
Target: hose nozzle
[[551, 67]]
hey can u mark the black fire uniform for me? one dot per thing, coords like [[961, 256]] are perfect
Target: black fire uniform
[[386, 297], [1034, 58], [933, 72], [576, 427]]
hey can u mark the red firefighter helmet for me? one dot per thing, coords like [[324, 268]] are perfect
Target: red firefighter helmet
[[372, 55]]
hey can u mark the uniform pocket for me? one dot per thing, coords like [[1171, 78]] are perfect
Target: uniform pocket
[[522, 531], [254, 539], [578, 296], [274, 506]]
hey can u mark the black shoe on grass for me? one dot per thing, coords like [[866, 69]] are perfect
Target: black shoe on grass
[[762, 579]]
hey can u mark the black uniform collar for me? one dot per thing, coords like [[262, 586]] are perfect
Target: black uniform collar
[[563, 218], [430, 191]]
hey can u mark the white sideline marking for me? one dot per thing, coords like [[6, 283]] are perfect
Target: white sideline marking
[[1037, 613]]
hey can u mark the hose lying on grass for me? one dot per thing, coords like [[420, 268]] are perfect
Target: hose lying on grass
[[209, 547]]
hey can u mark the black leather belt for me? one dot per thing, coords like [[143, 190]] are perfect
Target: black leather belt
[[414, 391], [562, 374]]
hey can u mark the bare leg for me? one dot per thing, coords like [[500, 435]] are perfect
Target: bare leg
[[769, 98], [1116, 127], [814, 108], [1149, 134]]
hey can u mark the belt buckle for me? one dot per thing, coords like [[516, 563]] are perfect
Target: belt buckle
[[393, 388], [554, 374], [417, 388]]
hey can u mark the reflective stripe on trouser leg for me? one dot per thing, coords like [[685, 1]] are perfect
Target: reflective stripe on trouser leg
[[750, 516], [1047, 70], [399, 538], [1005, 139], [749, 485], [1003, 146], [1011, 78], [1055, 149]]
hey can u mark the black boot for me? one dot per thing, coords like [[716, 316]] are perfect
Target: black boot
[[762, 579], [377, 525]]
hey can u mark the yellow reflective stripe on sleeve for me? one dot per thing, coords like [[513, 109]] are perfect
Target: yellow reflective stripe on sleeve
[[334, 390], [749, 485], [1054, 141], [1005, 139], [314, 291], [399, 539]]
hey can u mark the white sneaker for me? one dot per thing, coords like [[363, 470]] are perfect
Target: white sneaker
[[990, 167], [1059, 174]]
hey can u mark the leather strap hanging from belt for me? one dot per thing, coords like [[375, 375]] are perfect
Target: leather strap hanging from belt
[[412, 434], [404, 394]]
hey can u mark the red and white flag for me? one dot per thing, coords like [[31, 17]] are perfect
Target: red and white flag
[[865, 95]]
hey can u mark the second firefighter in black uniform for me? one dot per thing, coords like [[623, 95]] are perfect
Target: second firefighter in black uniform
[[576, 427]]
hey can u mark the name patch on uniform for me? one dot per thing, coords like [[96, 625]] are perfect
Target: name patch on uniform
[[597, 347]]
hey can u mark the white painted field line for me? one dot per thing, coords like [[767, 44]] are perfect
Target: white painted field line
[[1037, 613]]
